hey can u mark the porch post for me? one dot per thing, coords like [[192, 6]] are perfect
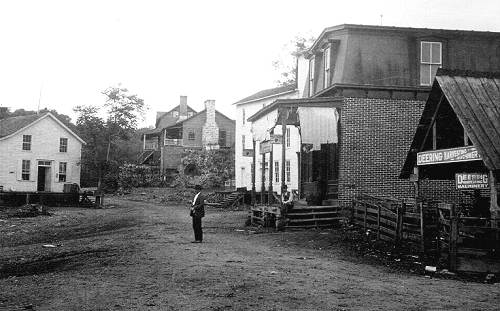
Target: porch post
[[144, 144], [253, 172], [283, 146], [270, 187], [263, 178], [299, 154]]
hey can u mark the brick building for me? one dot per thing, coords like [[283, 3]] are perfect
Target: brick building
[[378, 79], [183, 128]]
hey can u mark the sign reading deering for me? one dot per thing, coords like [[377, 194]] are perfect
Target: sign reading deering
[[471, 180], [460, 154]]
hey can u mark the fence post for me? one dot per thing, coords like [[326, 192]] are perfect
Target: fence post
[[453, 239], [438, 232], [399, 223], [378, 222], [422, 237], [366, 210]]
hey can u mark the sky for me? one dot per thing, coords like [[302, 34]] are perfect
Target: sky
[[61, 54]]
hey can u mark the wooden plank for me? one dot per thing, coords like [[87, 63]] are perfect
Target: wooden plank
[[489, 118], [387, 222], [392, 233], [477, 126]]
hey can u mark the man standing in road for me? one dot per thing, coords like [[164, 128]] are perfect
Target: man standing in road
[[197, 212]]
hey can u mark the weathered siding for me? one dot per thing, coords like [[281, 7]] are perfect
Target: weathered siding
[[44, 146]]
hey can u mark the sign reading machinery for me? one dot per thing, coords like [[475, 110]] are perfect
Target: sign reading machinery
[[460, 154], [471, 180]]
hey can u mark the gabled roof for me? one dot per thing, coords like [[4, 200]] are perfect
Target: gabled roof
[[475, 99], [161, 114], [267, 93], [197, 114], [13, 125]]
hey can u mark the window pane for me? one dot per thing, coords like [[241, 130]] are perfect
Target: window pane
[[426, 52], [434, 69], [425, 74], [436, 53]]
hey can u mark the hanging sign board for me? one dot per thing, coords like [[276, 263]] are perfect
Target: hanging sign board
[[461, 154], [265, 147], [276, 139], [248, 152], [471, 180]]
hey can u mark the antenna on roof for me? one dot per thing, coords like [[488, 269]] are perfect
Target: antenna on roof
[[381, 17], [39, 99]]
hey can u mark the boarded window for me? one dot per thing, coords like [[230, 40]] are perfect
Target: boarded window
[[326, 67], [62, 171], [26, 142], [311, 76], [63, 144], [25, 170], [222, 138]]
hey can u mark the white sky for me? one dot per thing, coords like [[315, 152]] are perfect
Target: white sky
[[210, 49]]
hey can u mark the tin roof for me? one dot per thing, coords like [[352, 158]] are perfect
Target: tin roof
[[267, 93], [475, 99]]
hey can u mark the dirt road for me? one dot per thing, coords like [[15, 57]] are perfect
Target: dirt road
[[138, 256]]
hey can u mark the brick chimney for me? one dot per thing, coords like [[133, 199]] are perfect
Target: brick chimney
[[183, 107], [210, 134]]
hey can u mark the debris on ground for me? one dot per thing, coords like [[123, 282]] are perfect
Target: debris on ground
[[490, 278], [30, 210], [430, 269]]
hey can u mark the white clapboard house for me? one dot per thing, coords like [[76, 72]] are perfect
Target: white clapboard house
[[38, 153]]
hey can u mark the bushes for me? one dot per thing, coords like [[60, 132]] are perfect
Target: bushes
[[134, 176], [213, 167]]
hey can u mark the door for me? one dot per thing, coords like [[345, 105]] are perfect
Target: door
[[44, 176], [41, 179]]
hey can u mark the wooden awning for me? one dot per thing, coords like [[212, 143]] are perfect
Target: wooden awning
[[475, 99]]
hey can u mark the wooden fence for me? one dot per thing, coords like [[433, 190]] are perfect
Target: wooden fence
[[394, 221], [469, 243]]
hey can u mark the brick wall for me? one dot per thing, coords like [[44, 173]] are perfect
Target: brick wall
[[375, 137]]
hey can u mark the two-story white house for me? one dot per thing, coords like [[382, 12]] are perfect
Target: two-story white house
[[245, 108], [38, 153]]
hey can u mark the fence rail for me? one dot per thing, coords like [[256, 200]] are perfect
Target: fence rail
[[393, 220]]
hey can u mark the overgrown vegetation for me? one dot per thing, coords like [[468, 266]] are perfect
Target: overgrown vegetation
[[211, 168], [134, 176]]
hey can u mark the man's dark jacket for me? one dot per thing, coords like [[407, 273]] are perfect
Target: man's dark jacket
[[198, 208]]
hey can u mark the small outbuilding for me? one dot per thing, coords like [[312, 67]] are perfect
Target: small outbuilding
[[458, 139]]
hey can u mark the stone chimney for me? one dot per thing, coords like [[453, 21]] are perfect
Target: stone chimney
[[210, 134], [183, 110]]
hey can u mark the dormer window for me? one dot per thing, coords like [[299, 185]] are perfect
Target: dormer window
[[326, 67], [311, 76], [430, 61]]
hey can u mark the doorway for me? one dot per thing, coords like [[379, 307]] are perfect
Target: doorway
[[43, 180]]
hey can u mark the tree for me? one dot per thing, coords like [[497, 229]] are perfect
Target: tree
[[286, 64], [102, 154]]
